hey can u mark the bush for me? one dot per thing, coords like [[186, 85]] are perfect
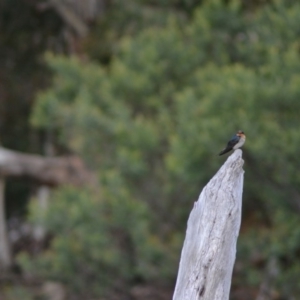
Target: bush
[[97, 244]]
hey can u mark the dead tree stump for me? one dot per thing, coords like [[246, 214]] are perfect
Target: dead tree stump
[[209, 249]]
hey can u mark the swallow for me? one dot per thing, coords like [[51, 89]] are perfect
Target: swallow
[[237, 141]]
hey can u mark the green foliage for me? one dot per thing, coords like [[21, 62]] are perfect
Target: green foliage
[[152, 124], [281, 244], [16, 292], [129, 19], [93, 237]]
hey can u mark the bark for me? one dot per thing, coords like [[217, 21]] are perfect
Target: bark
[[49, 171], [209, 249]]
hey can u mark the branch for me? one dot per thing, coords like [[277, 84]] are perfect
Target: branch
[[209, 248], [49, 171], [68, 15]]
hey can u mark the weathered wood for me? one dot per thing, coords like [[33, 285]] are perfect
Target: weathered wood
[[209, 249], [50, 171]]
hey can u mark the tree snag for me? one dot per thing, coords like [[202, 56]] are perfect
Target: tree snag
[[209, 249]]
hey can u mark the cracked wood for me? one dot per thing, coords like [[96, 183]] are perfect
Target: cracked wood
[[209, 249]]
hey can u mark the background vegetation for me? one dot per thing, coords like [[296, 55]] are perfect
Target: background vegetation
[[149, 99]]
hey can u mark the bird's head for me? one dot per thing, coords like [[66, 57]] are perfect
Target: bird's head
[[241, 133]]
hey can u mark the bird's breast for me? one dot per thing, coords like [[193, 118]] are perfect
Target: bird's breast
[[240, 143]]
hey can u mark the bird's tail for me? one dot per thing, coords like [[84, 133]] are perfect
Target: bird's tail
[[225, 151]]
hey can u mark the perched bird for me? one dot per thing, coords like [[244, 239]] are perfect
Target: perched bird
[[237, 141]]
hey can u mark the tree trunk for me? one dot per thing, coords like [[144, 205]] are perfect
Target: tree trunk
[[5, 255], [42, 198], [43, 192], [209, 248], [70, 18], [266, 287]]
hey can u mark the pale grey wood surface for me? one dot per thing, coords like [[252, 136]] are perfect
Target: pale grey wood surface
[[50, 171], [209, 249]]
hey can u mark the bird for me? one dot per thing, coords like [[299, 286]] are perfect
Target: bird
[[237, 141]]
